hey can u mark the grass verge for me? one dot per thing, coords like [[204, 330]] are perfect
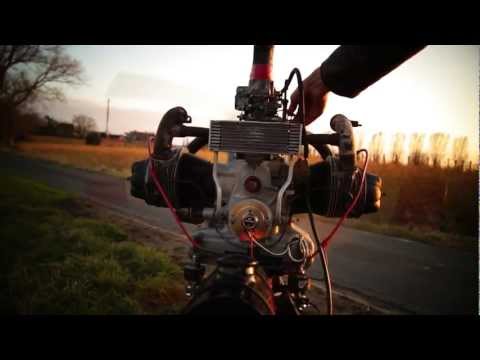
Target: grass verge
[[55, 260]]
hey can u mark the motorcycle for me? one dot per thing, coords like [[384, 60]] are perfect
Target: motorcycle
[[259, 256]]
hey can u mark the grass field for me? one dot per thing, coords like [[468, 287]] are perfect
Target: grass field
[[55, 259], [112, 158], [436, 205], [440, 199]]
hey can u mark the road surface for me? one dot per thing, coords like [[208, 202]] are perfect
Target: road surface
[[411, 276]]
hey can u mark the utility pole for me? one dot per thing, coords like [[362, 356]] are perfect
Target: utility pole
[[108, 117]]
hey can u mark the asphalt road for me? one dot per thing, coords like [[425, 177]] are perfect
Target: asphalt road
[[411, 276]]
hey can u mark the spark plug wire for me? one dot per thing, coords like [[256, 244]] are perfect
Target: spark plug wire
[[162, 191], [329, 237]]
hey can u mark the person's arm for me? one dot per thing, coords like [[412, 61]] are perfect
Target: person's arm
[[347, 72], [351, 69]]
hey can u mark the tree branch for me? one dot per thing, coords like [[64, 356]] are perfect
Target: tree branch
[[31, 71]]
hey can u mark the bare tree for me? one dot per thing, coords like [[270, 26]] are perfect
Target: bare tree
[[31, 73], [438, 146], [376, 147], [398, 147], [83, 125], [416, 156], [460, 151]]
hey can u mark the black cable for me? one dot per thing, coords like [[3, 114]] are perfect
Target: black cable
[[321, 251], [323, 255], [301, 105], [301, 112], [328, 280]]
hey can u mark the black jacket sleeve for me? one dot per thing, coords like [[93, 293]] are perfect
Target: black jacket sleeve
[[351, 69]]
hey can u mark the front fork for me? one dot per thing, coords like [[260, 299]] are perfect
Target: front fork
[[290, 296], [194, 273]]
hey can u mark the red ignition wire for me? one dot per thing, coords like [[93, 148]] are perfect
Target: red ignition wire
[[251, 237], [327, 239], [251, 248], [165, 197]]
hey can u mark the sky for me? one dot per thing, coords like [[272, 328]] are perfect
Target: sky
[[435, 91]]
